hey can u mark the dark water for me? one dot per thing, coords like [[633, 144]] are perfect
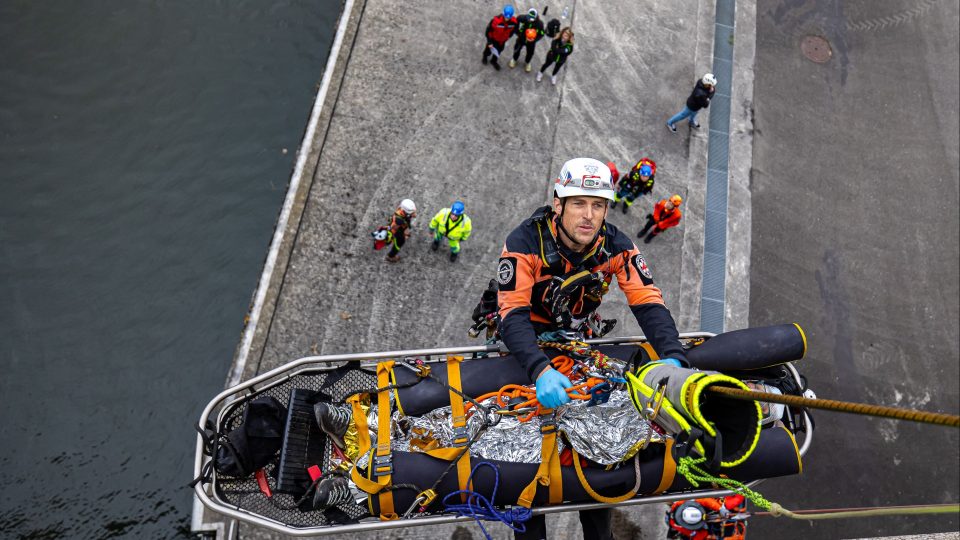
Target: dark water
[[141, 173]]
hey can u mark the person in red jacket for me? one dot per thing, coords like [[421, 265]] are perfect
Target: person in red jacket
[[666, 214], [500, 29]]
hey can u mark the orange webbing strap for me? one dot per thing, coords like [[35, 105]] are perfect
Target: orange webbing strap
[[651, 352], [461, 436], [669, 469], [548, 474], [381, 464], [598, 497]]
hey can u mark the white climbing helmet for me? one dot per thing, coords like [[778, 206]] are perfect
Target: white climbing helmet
[[408, 207], [584, 176], [709, 79]]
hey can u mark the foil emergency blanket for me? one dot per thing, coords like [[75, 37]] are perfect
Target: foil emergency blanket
[[606, 433]]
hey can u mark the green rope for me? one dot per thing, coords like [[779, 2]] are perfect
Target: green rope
[[687, 467]]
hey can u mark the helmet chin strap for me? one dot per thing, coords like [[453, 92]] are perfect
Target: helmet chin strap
[[563, 206]]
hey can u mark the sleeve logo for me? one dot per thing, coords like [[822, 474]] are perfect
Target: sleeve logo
[[506, 273], [641, 265]]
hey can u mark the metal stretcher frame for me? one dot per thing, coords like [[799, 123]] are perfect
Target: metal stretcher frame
[[282, 373]]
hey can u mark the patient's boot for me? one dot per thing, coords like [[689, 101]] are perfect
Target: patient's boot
[[331, 491], [334, 421]]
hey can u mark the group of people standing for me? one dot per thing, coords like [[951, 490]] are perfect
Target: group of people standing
[[449, 223], [529, 29]]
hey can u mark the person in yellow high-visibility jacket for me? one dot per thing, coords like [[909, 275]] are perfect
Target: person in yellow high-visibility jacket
[[452, 224]]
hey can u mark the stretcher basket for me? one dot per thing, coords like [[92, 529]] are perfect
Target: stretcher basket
[[243, 500]]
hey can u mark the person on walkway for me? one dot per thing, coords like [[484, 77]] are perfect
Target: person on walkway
[[452, 224], [637, 182], [529, 32], [699, 99], [560, 49], [399, 228], [538, 258], [666, 214], [497, 33]]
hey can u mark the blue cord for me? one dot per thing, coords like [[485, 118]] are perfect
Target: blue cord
[[479, 507]]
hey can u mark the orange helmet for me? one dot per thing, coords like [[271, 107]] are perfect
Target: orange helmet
[[531, 34], [676, 200]]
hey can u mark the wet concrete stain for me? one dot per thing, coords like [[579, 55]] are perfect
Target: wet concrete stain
[[817, 16], [836, 318]]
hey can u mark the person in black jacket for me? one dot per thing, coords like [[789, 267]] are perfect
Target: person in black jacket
[[560, 49], [529, 32], [699, 99]]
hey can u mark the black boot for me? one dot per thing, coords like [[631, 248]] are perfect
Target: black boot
[[613, 204], [625, 207], [495, 64], [435, 245], [454, 255], [331, 491], [649, 237], [334, 421]]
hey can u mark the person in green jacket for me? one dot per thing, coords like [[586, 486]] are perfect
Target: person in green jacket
[[452, 224]]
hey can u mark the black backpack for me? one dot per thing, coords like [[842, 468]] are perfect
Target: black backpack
[[255, 442], [553, 28]]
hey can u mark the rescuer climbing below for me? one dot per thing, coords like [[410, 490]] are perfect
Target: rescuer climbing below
[[452, 224], [553, 272]]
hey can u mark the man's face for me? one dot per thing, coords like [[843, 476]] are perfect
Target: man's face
[[582, 217]]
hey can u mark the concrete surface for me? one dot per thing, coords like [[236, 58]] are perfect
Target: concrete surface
[[855, 236], [422, 118]]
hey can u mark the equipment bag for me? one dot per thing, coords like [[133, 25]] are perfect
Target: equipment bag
[[255, 442], [553, 28]]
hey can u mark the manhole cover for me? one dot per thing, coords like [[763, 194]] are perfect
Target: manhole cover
[[816, 48]]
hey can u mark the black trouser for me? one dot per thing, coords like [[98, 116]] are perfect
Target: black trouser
[[398, 240], [595, 523], [650, 223], [487, 52], [530, 45], [551, 59]]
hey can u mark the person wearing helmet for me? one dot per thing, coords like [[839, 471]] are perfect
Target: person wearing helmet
[[399, 228], [638, 182], [699, 99], [452, 224], [666, 214], [541, 257], [497, 33], [560, 49], [529, 32]]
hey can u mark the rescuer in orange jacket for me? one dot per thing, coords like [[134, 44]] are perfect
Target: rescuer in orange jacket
[[553, 272], [666, 214], [498, 31]]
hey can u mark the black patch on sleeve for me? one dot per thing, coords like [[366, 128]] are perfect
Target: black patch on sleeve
[[507, 273], [640, 264]]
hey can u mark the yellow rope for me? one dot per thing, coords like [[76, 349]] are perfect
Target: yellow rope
[[776, 511], [911, 415]]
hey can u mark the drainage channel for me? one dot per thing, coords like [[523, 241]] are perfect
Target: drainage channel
[[718, 151]]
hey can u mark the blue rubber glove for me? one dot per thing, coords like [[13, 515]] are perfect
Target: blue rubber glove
[[671, 361], [552, 388]]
